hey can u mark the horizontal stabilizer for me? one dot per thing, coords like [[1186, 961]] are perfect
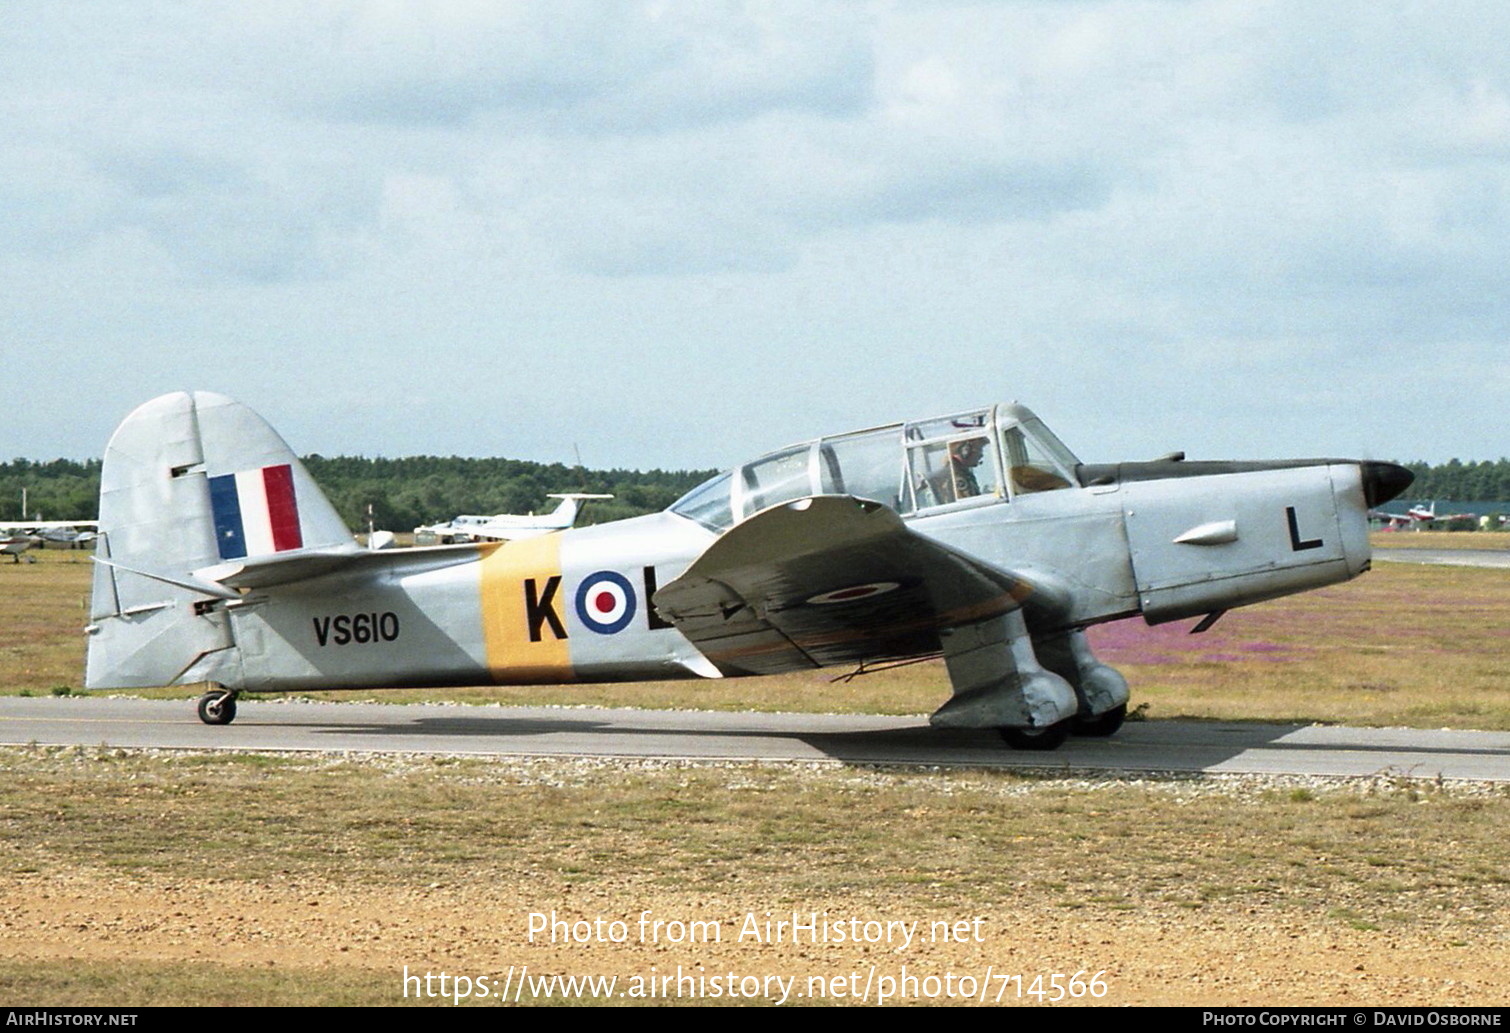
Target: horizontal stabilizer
[[281, 569], [825, 580], [187, 581], [270, 571]]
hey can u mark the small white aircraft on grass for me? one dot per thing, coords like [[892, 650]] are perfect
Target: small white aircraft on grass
[[506, 527], [976, 536], [13, 544], [17, 536]]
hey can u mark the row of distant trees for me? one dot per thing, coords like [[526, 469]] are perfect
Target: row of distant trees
[[405, 493], [1464, 482], [402, 493], [59, 490]]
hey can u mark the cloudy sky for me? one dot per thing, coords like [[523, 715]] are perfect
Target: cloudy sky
[[681, 233]]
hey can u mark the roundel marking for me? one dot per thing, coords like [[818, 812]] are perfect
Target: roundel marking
[[605, 602], [853, 593]]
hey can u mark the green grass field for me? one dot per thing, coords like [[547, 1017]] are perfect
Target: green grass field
[[1498, 541]]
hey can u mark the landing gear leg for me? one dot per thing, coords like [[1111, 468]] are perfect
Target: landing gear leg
[[1101, 690], [999, 683], [218, 707]]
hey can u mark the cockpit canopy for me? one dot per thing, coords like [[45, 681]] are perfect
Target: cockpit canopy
[[972, 458]]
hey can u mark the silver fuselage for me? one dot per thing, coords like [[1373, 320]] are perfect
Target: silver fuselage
[[576, 605]]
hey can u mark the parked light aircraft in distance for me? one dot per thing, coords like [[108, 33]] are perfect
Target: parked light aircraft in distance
[[976, 536], [1419, 517], [507, 527], [17, 536], [14, 543], [1429, 515]]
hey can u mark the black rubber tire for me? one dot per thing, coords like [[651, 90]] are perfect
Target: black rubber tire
[[1102, 725], [1050, 738], [216, 708]]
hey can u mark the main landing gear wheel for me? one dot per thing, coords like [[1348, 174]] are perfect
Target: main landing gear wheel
[[1102, 725], [1050, 738], [217, 708]]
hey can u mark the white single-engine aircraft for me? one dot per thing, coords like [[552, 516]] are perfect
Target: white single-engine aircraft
[[14, 542], [507, 527], [1429, 515], [976, 536]]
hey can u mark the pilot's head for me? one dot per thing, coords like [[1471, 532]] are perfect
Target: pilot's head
[[968, 453]]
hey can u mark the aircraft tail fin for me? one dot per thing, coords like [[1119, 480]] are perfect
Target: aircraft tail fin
[[565, 513], [192, 484]]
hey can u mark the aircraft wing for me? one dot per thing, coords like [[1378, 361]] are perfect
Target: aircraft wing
[[825, 580], [503, 532]]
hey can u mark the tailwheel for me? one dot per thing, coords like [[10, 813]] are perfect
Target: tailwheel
[[1102, 725], [217, 708], [1050, 738]]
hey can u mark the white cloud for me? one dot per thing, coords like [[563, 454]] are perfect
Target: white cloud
[[569, 66], [1216, 192]]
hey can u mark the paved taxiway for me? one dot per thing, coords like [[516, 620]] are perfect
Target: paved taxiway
[[1451, 557], [1157, 746]]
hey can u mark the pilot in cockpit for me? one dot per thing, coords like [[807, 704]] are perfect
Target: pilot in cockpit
[[964, 457]]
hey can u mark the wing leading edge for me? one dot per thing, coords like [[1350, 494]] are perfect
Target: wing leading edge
[[825, 580]]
